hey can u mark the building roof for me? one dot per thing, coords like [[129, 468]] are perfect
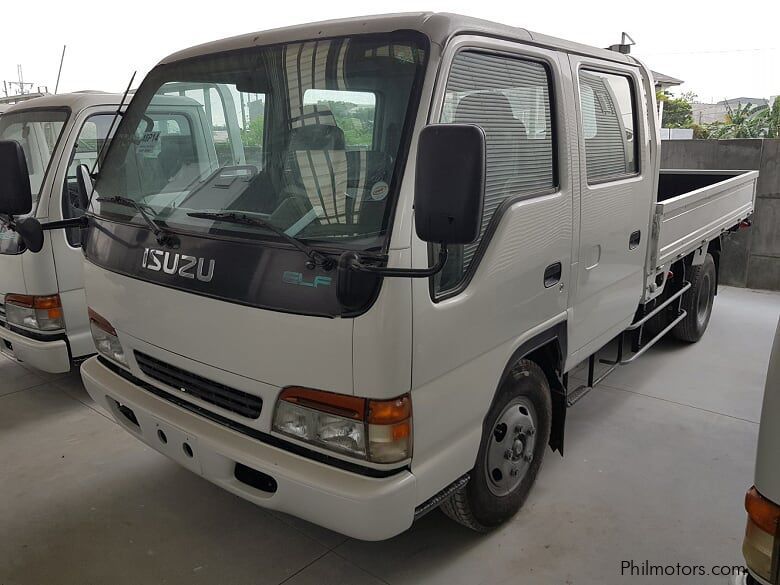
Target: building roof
[[744, 100], [438, 27], [666, 80]]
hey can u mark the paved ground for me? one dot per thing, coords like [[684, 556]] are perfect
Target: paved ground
[[657, 463]]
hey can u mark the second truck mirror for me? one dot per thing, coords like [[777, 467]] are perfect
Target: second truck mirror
[[84, 180], [15, 192], [449, 186]]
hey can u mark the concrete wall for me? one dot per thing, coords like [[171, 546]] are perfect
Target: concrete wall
[[751, 257]]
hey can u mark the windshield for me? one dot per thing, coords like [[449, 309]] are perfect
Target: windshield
[[306, 136], [38, 132]]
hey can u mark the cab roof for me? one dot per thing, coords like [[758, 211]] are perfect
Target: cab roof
[[75, 101], [438, 27]]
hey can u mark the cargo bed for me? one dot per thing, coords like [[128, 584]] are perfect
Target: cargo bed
[[694, 207]]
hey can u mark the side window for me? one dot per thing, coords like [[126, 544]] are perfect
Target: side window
[[353, 112], [90, 141], [607, 104], [510, 99]]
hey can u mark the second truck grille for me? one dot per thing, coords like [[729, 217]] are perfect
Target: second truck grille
[[236, 401]]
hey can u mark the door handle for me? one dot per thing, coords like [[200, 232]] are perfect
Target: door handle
[[552, 274], [634, 240]]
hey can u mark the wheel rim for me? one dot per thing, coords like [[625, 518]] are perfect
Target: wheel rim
[[511, 447], [703, 300]]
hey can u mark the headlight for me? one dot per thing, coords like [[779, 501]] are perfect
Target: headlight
[[33, 312], [375, 430], [106, 340], [763, 530]]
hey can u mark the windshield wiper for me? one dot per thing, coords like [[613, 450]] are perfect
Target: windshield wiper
[[316, 258], [164, 237]]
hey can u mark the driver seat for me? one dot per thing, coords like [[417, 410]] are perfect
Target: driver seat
[[316, 169]]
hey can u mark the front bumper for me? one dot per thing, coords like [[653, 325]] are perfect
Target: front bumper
[[362, 507], [50, 356]]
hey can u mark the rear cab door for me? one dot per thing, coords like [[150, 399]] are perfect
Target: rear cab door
[[616, 182]]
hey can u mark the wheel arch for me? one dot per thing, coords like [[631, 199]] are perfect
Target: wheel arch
[[548, 351]]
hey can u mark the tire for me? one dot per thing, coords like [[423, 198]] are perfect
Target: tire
[[698, 302], [490, 498]]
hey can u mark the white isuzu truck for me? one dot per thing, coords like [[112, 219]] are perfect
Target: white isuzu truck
[[378, 314], [43, 310], [761, 546]]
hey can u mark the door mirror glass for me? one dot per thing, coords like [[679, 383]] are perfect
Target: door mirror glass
[[449, 187], [15, 193]]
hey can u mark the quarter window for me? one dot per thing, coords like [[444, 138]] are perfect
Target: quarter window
[[510, 99], [608, 123]]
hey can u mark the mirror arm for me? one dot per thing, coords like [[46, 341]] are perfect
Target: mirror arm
[[351, 260], [66, 223]]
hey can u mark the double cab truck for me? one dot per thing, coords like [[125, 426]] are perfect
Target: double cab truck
[[43, 309], [377, 314]]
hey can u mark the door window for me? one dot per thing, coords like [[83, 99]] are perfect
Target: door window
[[608, 123], [510, 99], [85, 151]]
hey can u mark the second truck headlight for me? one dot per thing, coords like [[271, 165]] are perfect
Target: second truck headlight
[[43, 313], [375, 430]]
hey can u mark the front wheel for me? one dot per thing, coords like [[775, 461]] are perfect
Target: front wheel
[[514, 440], [697, 301]]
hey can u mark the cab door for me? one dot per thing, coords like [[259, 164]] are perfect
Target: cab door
[[616, 191], [84, 143]]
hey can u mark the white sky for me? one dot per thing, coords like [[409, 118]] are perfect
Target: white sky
[[718, 54]]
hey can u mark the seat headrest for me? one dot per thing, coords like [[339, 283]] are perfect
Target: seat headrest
[[315, 129], [488, 107]]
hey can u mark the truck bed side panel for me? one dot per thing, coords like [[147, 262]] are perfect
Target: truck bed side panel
[[685, 222]]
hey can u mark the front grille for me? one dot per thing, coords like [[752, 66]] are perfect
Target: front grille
[[214, 393], [2, 314]]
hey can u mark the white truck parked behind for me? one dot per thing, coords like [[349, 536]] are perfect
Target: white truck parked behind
[[379, 314], [43, 310], [761, 546]]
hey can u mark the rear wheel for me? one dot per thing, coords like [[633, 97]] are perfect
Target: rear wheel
[[514, 440], [697, 301]]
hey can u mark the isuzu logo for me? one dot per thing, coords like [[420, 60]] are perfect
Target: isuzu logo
[[182, 265]]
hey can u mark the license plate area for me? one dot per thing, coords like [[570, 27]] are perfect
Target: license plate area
[[162, 436]]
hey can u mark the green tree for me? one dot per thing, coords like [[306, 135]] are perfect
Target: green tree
[[744, 121], [678, 112], [253, 134]]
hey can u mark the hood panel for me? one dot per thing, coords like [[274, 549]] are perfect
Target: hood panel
[[276, 348]]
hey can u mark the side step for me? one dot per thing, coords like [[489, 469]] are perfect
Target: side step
[[575, 395]]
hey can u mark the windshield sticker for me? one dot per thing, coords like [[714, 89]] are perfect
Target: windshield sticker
[[379, 191], [148, 142]]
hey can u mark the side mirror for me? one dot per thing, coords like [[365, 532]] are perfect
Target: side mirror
[[15, 192], [86, 187], [31, 232], [449, 186]]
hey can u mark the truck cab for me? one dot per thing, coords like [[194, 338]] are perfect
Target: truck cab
[[375, 310], [43, 310]]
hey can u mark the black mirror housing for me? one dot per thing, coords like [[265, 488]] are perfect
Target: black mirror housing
[[84, 181], [31, 232], [449, 186], [15, 192]]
